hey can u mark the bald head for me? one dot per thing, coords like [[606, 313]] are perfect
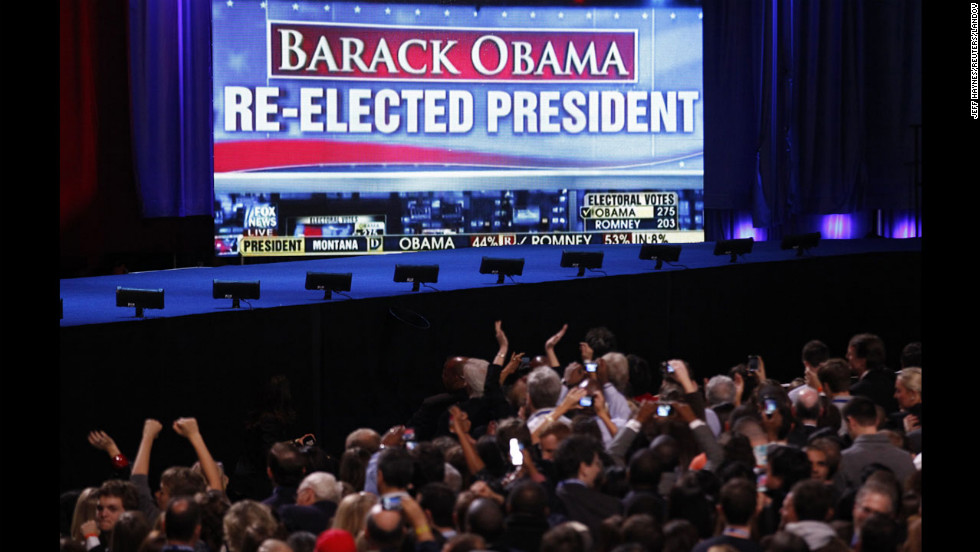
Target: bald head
[[385, 528], [364, 437], [808, 397], [274, 545], [807, 404], [485, 518], [182, 520]]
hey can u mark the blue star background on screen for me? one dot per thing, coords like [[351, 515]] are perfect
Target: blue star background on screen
[[363, 127]]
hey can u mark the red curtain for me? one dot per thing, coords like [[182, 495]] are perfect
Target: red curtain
[[79, 124]]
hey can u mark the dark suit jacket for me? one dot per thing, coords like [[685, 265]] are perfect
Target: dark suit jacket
[[524, 532], [313, 518], [643, 501], [868, 449], [879, 386], [588, 506], [281, 496]]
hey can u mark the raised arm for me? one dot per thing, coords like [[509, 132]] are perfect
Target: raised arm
[[460, 425], [188, 429], [602, 411], [139, 476], [702, 434], [551, 343], [502, 343], [568, 403], [151, 428], [511, 367], [625, 437], [416, 517], [739, 388], [102, 441], [761, 370], [691, 390]]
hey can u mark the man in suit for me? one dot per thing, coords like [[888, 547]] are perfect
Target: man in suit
[[866, 356], [737, 508], [316, 502], [579, 467], [869, 446], [286, 468]]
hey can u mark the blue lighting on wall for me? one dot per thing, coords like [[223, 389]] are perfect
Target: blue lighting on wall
[[837, 227], [744, 228], [905, 225], [894, 224]]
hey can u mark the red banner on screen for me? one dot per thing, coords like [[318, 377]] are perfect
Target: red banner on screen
[[350, 52]]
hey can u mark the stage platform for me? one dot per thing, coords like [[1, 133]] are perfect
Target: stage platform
[[371, 358], [188, 291]]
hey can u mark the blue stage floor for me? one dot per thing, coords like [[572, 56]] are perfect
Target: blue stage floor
[[188, 291]]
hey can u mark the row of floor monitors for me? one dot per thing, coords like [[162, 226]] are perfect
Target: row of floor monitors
[[417, 275]]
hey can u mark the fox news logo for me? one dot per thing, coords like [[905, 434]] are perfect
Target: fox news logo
[[261, 216]]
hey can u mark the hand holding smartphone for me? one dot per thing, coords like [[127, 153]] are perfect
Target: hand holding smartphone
[[516, 452]]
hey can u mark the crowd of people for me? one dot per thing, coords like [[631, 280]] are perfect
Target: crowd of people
[[523, 454]]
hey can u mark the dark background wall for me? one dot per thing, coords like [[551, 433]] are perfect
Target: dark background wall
[[371, 362]]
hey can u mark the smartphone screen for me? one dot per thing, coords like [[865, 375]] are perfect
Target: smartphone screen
[[516, 456], [392, 502], [771, 406]]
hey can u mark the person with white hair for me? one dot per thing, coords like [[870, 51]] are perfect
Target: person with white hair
[[544, 388], [317, 498], [908, 420], [720, 393], [618, 369]]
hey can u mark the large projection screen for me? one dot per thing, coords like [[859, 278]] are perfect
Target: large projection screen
[[346, 128]]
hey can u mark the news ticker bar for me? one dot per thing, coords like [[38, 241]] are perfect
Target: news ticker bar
[[267, 246]]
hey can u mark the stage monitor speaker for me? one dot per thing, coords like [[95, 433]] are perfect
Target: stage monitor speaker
[[235, 290], [502, 267], [801, 242], [139, 298], [417, 274], [660, 253], [581, 260], [734, 248], [328, 282]]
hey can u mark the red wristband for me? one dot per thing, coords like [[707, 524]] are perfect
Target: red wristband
[[119, 461]]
